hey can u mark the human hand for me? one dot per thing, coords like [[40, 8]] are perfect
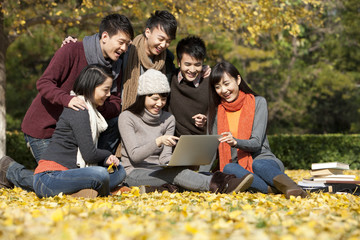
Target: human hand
[[167, 140], [68, 40], [228, 138], [206, 71], [112, 159], [200, 120], [77, 103]]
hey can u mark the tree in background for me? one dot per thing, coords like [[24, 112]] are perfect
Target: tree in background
[[35, 26], [248, 33], [311, 77]]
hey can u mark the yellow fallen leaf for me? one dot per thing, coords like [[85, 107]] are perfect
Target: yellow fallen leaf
[[57, 215]]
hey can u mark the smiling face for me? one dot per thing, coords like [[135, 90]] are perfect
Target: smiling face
[[190, 67], [155, 103], [112, 47], [156, 41], [102, 92], [228, 88]]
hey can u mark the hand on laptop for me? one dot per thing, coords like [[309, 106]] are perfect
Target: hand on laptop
[[228, 138], [167, 140]]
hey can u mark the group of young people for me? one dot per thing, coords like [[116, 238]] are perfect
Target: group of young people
[[112, 88]]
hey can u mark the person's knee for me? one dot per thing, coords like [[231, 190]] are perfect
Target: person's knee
[[229, 168], [264, 166], [100, 174], [260, 165], [121, 172]]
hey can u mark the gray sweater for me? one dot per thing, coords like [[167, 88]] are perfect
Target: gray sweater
[[258, 144], [138, 134]]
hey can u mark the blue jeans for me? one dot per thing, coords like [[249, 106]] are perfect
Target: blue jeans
[[17, 174], [264, 172], [21, 177], [37, 146], [49, 184]]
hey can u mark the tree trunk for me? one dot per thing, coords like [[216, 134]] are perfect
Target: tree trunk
[[3, 46]]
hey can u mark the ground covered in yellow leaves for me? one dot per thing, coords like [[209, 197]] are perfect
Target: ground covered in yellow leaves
[[188, 215]]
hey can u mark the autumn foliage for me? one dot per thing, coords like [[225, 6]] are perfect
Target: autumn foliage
[[187, 215]]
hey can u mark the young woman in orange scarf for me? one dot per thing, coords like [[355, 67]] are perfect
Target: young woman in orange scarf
[[240, 116]]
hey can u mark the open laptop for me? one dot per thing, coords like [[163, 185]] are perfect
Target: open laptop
[[194, 150]]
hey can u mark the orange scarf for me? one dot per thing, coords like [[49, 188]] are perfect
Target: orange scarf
[[245, 103]]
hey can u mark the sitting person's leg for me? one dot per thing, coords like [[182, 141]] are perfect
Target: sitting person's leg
[[117, 177], [148, 177], [258, 184], [14, 174], [219, 182], [267, 169], [270, 172], [190, 180], [49, 184], [180, 176]]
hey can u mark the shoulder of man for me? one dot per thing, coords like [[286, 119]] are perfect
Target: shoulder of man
[[73, 45], [71, 49]]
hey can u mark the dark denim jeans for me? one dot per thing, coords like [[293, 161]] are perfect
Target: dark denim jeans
[[49, 184], [17, 174], [264, 172], [21, 177]]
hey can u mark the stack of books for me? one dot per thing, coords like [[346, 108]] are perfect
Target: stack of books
[[324, 176], [332, 172]]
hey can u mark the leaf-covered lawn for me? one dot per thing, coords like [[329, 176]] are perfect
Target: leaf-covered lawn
[[188, 215]]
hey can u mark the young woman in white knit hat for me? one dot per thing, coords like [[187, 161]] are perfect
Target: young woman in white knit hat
[[147, 140]]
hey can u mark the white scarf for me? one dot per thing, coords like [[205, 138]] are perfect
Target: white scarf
[[98, 125]]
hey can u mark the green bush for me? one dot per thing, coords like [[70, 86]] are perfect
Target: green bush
[[16, 148], [296, 151], [299, 151]]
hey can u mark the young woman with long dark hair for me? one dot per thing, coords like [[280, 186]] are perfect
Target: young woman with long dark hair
[[240, 116]]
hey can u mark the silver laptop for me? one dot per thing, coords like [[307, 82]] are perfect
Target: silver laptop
[[194, 150]]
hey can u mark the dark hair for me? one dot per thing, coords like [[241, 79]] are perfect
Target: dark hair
[[192, 45], [139, 105], [165, 20], [114, 23], [90, 77], [217, 73]]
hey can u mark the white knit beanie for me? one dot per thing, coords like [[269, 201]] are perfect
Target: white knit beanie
[[152, 82]]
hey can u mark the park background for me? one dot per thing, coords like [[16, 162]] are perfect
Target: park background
[[303, 56]]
